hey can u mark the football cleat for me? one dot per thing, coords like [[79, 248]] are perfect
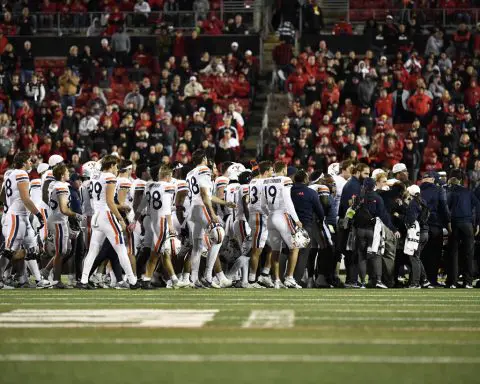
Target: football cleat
[[137, 285], [279, 285], [266, 281], [80, 285], [44, 284], [381, 285], [255, 285]]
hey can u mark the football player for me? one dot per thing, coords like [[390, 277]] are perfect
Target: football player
[[107, 222], [16, 227], [59, 212], [204, 221], [282, 219], [257, 221]]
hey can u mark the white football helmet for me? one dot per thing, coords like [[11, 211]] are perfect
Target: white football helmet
[[171, 245], [216, 233], [234, 170], [301, 238], [333, 169], [88, 169]]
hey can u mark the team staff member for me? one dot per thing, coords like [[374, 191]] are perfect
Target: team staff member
[[351, 189], [462, 204], [306, 202], [439, 218]]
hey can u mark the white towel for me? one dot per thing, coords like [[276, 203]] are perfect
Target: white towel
[[326, 231], [413, 239], [378, 243]]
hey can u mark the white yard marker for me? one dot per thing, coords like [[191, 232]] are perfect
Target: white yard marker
[[184, 358], [80, 318], [270, 319]]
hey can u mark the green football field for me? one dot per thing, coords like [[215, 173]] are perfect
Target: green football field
[[240, 336]]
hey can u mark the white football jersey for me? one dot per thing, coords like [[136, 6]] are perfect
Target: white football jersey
[[86, 195], [14, 204], [55, 190], [99, 190], [47, 176], [231, 192], [255, 195], [180, 186], [276, 195], [199, 177], [124, 183], [36, 193], [241, 193], [159, 198], [220, 182]]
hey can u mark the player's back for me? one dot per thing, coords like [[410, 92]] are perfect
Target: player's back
[[36, 193], [199, 177], [86, 195], [14, 202], [231, 195], [99, 190], [255, 194], [274, 189], [242, 192], [55, 190], [124, 183], [159, 197]]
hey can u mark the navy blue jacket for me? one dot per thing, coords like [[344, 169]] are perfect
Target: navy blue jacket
[[376, 207], [75, 203], [435, 199], [462, 204], [306, 203], [414, 211], [351, 188]]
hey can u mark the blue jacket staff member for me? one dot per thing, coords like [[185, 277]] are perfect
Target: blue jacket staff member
[[306, 203], [464, 208]]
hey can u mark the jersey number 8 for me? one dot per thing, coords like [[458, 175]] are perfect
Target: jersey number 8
[[8, 188], [155, 199], [193, 186]]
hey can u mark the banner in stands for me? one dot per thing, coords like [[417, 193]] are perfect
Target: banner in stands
[[59, 46]]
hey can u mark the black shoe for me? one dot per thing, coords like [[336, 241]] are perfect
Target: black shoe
[[147, 285], [59, 285], [137, 285], [80, 285]]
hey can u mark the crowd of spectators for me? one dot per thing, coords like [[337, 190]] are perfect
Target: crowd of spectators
[[392, 104], [105, 17], [150, 107]]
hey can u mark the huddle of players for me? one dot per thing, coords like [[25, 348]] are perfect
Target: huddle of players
[[132, 228]]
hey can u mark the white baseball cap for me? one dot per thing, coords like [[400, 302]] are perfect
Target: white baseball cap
[[54, 160], [377, 172], [413, 190], [42, 167], [234, 44], [193, 78], [400, 167]]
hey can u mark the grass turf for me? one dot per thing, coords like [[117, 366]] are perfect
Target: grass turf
[[398, 336]]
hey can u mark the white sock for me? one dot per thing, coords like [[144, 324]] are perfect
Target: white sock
[[252, 277], [211, 258], [186, 276], [174, 279], [265, 271], [33, 267], [195, 259], [221, 276]]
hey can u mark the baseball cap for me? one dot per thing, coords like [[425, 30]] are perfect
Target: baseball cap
[[202, 109], [376, 172], [428, 175], [234, 44], [42, 167], [413, 190], [54, 160], [74, 177], [248, 53], [291, 171], [400, 167], [193, 78], [369, 184]]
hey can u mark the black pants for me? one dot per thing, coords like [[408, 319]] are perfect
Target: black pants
[[432, 253], [107, 252], [418, 271], [461, 233], [363, 241], [350, 256]]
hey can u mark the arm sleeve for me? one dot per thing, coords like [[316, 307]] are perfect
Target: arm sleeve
[[411, 214], [384, 216], [476, 205], [443, 207], [288, 203]]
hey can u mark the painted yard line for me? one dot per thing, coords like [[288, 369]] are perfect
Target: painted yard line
[[243, 340], [136, 318], [270, 319], [184, 358]]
